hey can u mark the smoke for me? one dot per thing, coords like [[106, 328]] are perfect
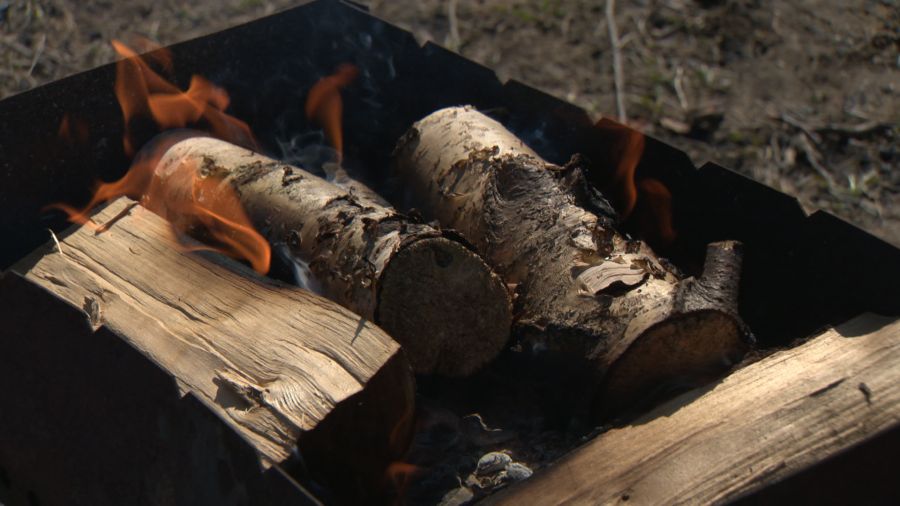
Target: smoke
[[307, 150], [303, 276]]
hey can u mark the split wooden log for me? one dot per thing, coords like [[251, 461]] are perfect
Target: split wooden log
[[760, 425], [285, 368], [445, 306], [582, 287]]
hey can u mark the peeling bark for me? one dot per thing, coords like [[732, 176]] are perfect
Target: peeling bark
[[445, 306], [582, 287]]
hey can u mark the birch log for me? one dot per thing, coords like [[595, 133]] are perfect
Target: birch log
[[582, 287], [445, 306], [283, 367]]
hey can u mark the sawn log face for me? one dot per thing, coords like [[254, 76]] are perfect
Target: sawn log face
[[419, 283], [581, 287]]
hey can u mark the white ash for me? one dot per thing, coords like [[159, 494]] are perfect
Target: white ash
[[495, 470], [457, 497], [516, 471], [492, 462]]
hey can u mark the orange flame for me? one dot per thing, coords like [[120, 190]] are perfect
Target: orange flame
[[153, 52], [73, 130], [324, 104], [649, 196], [400, 475], [142, 92], [658, 221], [191, 203], [631, 149]]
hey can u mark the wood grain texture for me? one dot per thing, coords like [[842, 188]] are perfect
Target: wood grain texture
[[417, 282], [273, 361], [582, 288], [757, 426], [87, 419]]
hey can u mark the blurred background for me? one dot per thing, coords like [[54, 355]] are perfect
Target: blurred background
[[803, 96]]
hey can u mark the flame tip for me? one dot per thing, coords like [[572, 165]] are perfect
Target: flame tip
[[142, 92]]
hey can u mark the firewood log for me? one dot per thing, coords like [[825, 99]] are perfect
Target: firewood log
[[582, 288], [284, 368], [761, 425], [444, 305]]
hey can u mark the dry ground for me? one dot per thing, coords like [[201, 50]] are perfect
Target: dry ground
[[804, 96]]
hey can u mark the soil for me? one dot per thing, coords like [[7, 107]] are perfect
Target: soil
[[803, 96]]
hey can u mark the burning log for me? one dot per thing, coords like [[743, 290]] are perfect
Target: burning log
[[762, 424], [445, 306], [282, 367], [582, 288]]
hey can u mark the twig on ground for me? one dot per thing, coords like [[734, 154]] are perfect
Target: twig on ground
[[803, 127], [641, 25], [15, 46], [618, 76], [813, 133], [814, 158], [865, 128], [454, 25], [679, 87], [37, 53]]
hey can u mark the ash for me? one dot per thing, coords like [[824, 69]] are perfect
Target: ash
[[477, 435]]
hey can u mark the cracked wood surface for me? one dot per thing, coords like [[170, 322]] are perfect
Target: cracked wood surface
[[273, 361], [755, 427], [422, 285], [582, 288]]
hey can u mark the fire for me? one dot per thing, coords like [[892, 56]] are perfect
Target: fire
[[153, 53], [400, 475], [73, 130], [324, 104], [646, 198], [206, 206], [143, 93], [630, 151], [203, 206], [658, 221]]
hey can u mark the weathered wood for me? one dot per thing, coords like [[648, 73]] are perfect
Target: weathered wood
[[283, 367], [88, 420], [761, 424], [582, 288], [445, 306]]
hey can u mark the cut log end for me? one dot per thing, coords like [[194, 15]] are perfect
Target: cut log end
[[672, 348], [285, 369], [438, 299], [526, 218], [676, 354], [472, 307]]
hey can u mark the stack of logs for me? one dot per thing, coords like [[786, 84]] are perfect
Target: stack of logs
[[515, 250]]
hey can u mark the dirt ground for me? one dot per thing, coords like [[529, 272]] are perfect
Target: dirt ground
[[804, 96]]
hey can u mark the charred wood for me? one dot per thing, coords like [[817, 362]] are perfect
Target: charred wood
[[582, 287], [427, 289]]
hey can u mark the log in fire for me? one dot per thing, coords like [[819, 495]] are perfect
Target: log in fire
[[466, 281]]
